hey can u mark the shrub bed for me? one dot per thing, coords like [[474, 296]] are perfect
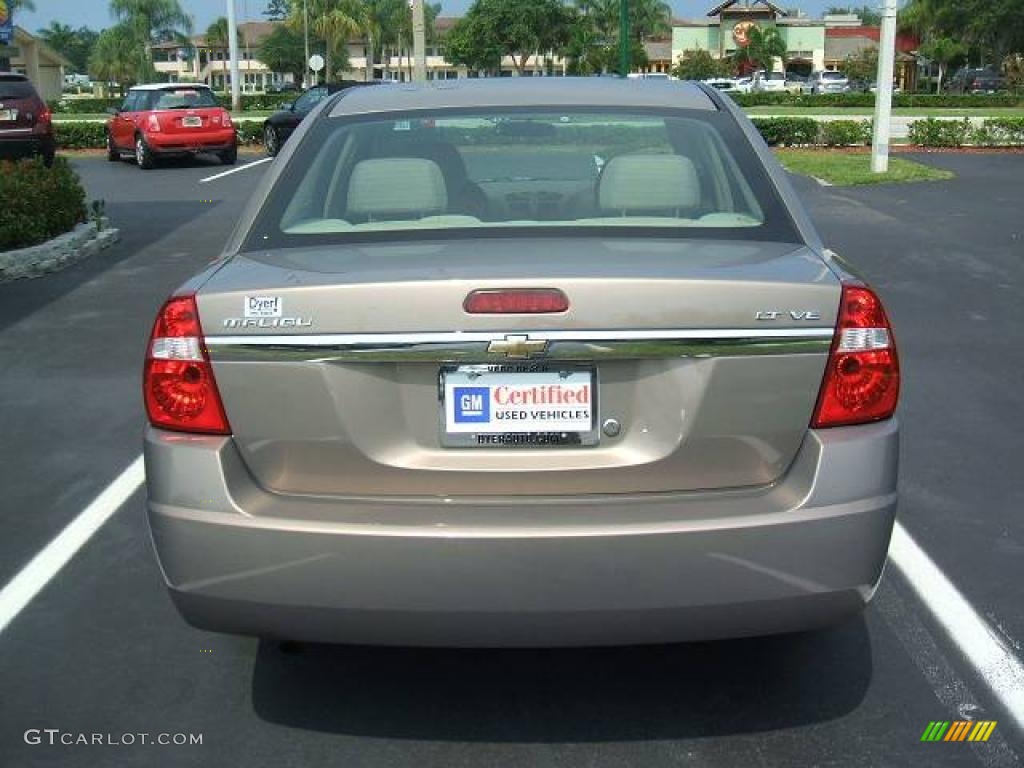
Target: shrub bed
[[1000, 132], [250, 101], [39, 202], [846, 133], [788, 131], [840, 100], [941, 133], [80, 135]]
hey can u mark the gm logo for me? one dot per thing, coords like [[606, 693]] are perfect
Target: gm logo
[[472, 405]]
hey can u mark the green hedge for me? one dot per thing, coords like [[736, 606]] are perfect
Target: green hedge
[[251, 101], [1001, 132], [39, 202], [941, 133], [845, 133], [788, 131], [777, 131], [74, 135], [839, 100]]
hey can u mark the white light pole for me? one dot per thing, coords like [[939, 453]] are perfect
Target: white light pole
[[305, 35], [883, 99], [236, 94], [419, 42]]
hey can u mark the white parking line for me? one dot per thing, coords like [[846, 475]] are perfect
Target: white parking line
[[985, 651], [31, 579], [245, 167]]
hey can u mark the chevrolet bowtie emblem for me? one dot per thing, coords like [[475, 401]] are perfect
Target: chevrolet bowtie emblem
[[518, 347]]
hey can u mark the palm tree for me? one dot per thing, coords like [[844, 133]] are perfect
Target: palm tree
[[58, 36], [25, 5], [217, 33], [115, 56], [149, 21], [764, 46], [335, 21], [649, 18]]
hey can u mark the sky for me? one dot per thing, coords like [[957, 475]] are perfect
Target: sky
[[93, 13]]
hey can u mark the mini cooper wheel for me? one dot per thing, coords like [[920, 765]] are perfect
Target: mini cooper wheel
[[112, 153], [143, 154]]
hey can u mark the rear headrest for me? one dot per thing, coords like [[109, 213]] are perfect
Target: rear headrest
[[648, 183], [396, 185]]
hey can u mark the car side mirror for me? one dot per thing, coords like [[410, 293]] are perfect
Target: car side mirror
[[113, 111]]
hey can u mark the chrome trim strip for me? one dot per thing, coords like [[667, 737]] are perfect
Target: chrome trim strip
[[457, 346]]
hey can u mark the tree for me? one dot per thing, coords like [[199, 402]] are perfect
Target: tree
[[217, 33], [334, 22], [943, 51], [151, 21], [862, 66], [277, 10], [518, 29], [75, 45], [869, 16], [24, 5], [765, 44], [283, 50], [698, 64], [115, 57], [990, 29]]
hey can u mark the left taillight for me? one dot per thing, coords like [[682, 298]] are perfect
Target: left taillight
[[178, 383]]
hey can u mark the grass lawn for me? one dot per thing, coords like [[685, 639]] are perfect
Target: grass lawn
[[844, 169], [903, 111]]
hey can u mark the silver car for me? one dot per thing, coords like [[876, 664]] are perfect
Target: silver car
[[524, 362]]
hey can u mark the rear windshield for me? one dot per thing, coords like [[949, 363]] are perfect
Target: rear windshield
[[833, 76], [435, 174], [16, 89], [178, 98]]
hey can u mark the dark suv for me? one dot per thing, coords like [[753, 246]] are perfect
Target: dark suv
[[25, 125], [976, 81]]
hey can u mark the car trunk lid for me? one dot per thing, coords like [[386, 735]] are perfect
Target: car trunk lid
[[707, 355]]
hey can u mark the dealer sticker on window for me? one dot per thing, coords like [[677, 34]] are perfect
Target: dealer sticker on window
[[518, 405]]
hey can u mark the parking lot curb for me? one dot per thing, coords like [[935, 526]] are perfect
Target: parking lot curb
[[82, 242]]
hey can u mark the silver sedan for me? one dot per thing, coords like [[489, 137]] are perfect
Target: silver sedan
[[522, 363]]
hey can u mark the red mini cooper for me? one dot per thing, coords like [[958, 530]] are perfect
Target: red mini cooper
[[170, 120]]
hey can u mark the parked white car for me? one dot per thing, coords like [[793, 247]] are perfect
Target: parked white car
[[825, 81], [771, 82], [723, 84]]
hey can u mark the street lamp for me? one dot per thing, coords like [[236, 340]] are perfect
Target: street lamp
[[236, 93], [883, 99], [624, 37], [305, 35]]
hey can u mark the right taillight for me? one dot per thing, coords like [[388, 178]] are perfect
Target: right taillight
[[178, 385], [862, 378]]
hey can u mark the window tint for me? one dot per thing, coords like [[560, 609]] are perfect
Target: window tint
[[130, 102], [16, 89], [179, 98], [522, 170]]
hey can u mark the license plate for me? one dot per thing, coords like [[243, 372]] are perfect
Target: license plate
[[8, 115], [518, 405], [192, 122]]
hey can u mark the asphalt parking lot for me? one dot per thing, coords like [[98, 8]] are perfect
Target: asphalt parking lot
[[101, 650]]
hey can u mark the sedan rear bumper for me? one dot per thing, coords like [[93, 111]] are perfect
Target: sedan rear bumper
[[524, 571]]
